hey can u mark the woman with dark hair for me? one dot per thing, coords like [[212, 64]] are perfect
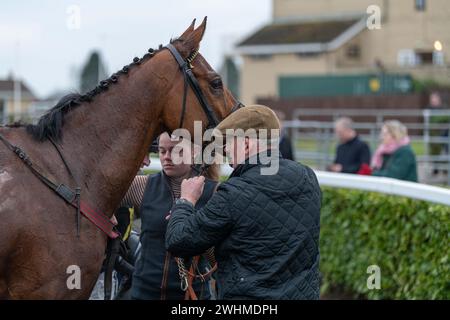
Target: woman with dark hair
[[158, 274]]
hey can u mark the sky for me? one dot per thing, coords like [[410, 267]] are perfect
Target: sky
[[46, 42]]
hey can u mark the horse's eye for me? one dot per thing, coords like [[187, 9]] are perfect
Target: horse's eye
[[217, 83]]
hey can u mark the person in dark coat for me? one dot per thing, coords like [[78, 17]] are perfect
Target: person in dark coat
[[286, 149], [352, 154], [264, 221], [157, 273], [286, 146]]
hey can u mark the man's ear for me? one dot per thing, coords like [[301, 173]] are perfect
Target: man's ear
[[248, 146]]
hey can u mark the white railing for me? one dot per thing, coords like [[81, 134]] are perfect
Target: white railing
[[385, 185], [376, 184]]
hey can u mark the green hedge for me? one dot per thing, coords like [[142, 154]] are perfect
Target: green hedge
[[407, 239]]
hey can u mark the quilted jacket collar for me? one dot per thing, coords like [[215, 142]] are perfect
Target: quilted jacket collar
[[250, 163]]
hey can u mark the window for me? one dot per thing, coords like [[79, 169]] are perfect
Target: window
[[420, 5], [411, 58], [424, 57], [406, 58], [438, 58], [261, 57], [307, 54], [353, 51]]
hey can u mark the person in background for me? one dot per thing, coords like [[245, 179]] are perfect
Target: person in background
[[352, 154], [285, 146], [394, 158]]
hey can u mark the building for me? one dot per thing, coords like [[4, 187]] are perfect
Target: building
[[16, 101], [326, 48]]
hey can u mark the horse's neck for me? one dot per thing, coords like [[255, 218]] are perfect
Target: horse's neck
[[106, 140]]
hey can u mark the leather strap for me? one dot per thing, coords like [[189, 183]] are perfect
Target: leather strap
[[112, 254], [190, 78], [99, 219], [67, 194], [190, 293]]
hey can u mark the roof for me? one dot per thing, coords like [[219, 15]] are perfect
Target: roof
[[304, 35], [8, 86]]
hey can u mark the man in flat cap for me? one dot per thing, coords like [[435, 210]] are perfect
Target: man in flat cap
[[264, 224]]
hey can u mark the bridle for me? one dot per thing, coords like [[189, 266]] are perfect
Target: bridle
[[72, 196], [189, 78], [185, 67]]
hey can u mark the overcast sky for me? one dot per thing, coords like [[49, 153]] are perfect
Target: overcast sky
[[41, 42]]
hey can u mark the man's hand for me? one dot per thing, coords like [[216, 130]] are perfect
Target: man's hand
[[336, 167], [114, 220], [192, 189]]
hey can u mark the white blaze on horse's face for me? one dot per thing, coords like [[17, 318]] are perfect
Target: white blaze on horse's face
[[8, 202], [4, 177]]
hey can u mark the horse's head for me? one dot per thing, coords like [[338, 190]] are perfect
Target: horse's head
[[184, 98]]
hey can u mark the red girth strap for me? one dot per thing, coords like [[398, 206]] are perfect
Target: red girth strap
[[99, 219]]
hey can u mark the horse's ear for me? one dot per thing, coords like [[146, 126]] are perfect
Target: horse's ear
[[188, 31], [200, 31], [193, 40]]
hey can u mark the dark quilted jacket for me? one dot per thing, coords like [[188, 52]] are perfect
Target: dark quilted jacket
[[265, 229]]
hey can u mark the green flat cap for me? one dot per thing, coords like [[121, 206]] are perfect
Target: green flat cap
[[255, 117]]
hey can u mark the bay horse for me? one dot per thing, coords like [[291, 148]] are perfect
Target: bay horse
[[103, 136]]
